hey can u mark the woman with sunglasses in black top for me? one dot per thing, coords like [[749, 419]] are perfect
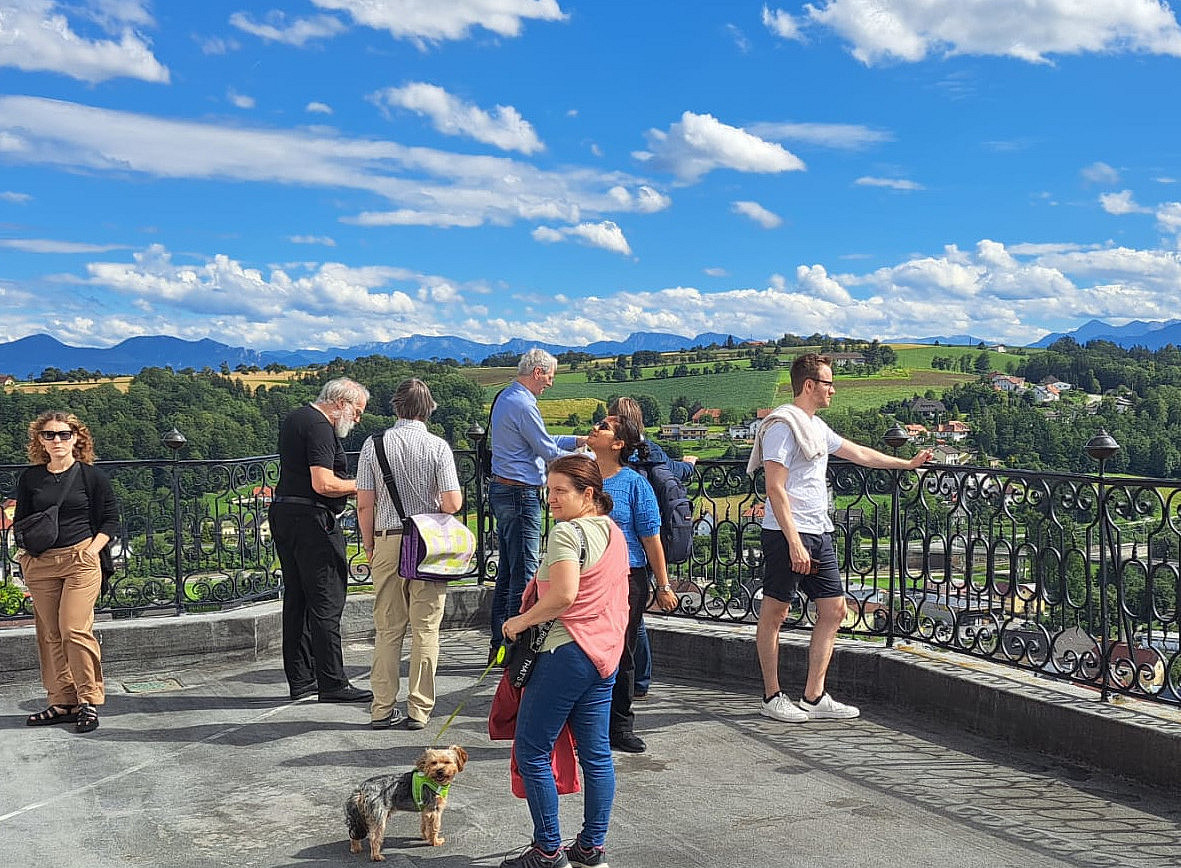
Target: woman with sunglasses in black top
[[66, 579]]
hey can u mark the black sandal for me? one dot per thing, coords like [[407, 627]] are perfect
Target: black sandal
[[87, 718], [51, 715]]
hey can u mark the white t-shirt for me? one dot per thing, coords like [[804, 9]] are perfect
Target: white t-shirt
[[807, 481]]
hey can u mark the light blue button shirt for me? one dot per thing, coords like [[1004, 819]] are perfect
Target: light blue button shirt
[[521, 447]]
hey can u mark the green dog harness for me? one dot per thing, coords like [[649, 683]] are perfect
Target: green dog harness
[[418, 782]]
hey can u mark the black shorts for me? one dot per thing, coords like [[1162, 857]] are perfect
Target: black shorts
[[780, 581]]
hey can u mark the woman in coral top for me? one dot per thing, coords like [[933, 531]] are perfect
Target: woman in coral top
[[583, 584]]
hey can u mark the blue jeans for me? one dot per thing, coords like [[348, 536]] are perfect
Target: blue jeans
[[566, 687], [643, 660], [518, 529]]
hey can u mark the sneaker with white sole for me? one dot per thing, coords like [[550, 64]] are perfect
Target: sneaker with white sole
[[779, 707], [827, 708]]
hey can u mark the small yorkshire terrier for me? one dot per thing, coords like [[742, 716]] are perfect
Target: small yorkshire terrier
[[424, 789]]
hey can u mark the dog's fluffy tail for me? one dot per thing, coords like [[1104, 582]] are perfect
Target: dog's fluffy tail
[[358, 828]]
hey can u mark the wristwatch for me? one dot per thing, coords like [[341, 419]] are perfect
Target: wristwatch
[[664, 587]]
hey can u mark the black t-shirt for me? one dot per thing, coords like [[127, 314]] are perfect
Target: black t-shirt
[[73, 519], [306, 440]]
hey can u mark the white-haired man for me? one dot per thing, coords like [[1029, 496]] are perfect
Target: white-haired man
[[521, 449], [311, 494]]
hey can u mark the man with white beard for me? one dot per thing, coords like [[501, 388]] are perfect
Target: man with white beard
[[311, 494]]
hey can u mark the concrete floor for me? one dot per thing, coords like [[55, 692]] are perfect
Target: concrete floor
[[218, 768]]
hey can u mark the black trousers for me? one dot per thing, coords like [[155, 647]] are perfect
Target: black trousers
[[638, 592], [315, 572]]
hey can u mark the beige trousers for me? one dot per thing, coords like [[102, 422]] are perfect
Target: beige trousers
[[64, 584], [402, 604]]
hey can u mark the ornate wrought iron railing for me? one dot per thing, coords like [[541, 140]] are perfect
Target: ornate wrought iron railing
[[1071, 577]]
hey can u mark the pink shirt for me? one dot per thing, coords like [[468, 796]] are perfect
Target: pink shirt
[[597, 619]]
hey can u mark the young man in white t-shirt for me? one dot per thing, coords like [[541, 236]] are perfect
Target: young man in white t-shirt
[[797, 535]]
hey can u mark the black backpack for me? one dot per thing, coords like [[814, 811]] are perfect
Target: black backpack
[[676, 512]]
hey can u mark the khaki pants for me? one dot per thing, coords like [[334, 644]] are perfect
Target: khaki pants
[[64, 584], [402, 604]]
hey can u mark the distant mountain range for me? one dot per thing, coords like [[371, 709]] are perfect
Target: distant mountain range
[[1152, 335], [945, 340], [27, 357]]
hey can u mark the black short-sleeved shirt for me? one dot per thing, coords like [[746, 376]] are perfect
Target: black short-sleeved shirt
[[306, 440]]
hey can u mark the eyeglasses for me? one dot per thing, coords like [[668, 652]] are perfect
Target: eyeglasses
[[50, 436], [822, 382], [604, 426]]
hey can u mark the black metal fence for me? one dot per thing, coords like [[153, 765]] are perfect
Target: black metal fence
[[1072, 577]]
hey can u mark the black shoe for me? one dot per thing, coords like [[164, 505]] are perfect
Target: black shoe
[[628, 742], [298, 693], [586, 857], [534, 857], [347, 693], [87, 718], [391, 720], [413, 724]]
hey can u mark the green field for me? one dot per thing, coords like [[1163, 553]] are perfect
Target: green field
[[867, 393], [741, 389]]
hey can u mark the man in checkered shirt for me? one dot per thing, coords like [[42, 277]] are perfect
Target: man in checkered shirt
[[424, 468]]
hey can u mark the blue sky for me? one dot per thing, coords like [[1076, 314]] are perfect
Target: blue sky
[[322, 173]]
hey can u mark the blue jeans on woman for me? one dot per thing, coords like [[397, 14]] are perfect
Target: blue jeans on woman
[[518, 529], [643, 660], [566, 687]]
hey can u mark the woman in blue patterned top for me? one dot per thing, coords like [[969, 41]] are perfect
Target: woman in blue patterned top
[[638, 515]]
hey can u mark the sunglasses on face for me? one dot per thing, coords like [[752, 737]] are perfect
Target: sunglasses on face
[[50, 436], [604, 426]]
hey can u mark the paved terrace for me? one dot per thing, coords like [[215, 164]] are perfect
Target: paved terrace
[[201, 760]]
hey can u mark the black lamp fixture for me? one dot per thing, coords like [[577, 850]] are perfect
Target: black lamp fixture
[[174, 440], [1101, 446], [896, 436]]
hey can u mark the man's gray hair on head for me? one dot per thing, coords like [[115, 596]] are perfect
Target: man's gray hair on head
[[412, 400], [535, 358], [343, 389]]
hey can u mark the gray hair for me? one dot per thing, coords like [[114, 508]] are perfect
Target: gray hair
[[536, 358], [343, 389], [412, 400]]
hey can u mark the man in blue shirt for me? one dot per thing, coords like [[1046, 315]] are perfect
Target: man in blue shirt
[[521, 450]]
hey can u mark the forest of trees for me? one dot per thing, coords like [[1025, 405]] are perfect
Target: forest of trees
[[222, 418]]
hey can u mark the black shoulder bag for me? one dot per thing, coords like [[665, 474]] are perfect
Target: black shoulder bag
[[521, 655], [486, 458], [37, 532]]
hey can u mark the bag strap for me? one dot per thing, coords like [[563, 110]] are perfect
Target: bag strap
[[543, 629], [388, 475], [66, 486], [492, 407]]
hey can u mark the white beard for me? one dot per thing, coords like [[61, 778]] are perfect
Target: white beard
[[343, 427]]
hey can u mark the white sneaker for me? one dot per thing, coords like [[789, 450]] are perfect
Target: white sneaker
[[781, 708], [827, 708]]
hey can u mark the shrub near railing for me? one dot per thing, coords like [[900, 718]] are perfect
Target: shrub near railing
[[1072, 577]]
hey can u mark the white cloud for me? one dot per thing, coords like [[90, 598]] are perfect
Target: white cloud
[[298, 32], [14, 198], [1121, 203], [850, 137], [36, 36], [49, 245], [782, 24], [716, 272], [216, 45], [698, 144], [1168, 216], [324, 240], [756, 212], [239, 100], [503, 126], [740, 40], [889, 183], [424, 22], [426, 186], [606, 235], [1029, 30], [1099, 173], [319, 108]]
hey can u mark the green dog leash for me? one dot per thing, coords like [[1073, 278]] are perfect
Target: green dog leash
[[496, 660]]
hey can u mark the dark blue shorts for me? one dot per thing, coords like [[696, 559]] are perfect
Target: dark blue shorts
[[781, 582]]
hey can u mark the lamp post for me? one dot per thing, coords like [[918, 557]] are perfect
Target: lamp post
[[1101, 447], [476, 434], [175, 441], [895, 437]]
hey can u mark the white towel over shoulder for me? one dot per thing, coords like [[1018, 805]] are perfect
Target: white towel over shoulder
[[811, 441]]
